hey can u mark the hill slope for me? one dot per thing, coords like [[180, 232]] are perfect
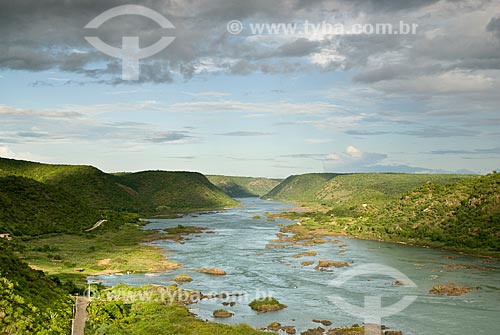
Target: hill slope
[[364, 193], [464, 214], [353, 194], [300, 188], [162, 191], [31, 207], [90, 185], [40, 198], [31, 303], [242, 187]]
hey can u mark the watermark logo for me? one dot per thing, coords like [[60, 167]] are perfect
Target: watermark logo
[[234, 27], [372, 312], [308, 28], [130, 53], [92, 293]]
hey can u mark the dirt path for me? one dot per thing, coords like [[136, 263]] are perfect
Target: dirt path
[[97, 224], [80, 316]]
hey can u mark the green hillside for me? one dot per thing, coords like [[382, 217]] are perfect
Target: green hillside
[[300, 188], [40, 198], [31, 303], [31, 207], [463, 216], [161, 191], [364, 193], [90, 185], [353, 194], [242, 187], [151, 191]]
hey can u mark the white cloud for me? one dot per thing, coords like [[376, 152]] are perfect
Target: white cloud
[[353, 151], [6, 152], [209, 94], [317, 108], [318, 140], [7, 110], [351, 160]]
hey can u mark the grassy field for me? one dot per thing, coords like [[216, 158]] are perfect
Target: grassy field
[[98, 252]]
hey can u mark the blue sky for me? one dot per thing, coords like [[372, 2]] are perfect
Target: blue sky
[[266, 105]]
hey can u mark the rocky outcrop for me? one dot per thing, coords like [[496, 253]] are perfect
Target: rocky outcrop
[[451, 289], [212, 271], [222, 313], [323, 265]]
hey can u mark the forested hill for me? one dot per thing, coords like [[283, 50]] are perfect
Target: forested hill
[[242, 187], [462, 215], [40, 198], [353, 194], [300, 188]]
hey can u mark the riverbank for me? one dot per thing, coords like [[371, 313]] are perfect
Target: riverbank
[[310, 225], [100, 252], [238, 245]]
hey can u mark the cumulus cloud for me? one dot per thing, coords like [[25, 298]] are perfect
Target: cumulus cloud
[[352, 160], [6, 152]]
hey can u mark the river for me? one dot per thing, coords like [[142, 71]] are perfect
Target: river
[[238, 246]]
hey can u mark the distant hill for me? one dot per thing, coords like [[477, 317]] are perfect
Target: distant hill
[[353, 194], [243, 187], [40, 198], [300, 188]]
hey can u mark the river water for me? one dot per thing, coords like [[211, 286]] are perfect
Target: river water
[[238, 246]]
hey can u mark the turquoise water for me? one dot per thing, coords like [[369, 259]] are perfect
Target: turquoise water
[[238, 246]]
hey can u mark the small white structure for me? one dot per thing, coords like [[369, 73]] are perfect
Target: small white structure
[[8, 237]]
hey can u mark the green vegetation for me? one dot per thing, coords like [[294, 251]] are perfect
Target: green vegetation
[[108, 250], [152, 310], [353, 194], [40, 199], [29, 207], [462, 216], [267, 304], [300, 188], [91, 186], [243, 187], [30, 302], [164, 192]]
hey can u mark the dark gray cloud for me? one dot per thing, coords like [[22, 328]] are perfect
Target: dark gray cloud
[[43, 35], [494, 26], [298, 48]]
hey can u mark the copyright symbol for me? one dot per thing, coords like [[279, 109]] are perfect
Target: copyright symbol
[[234, 27]]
